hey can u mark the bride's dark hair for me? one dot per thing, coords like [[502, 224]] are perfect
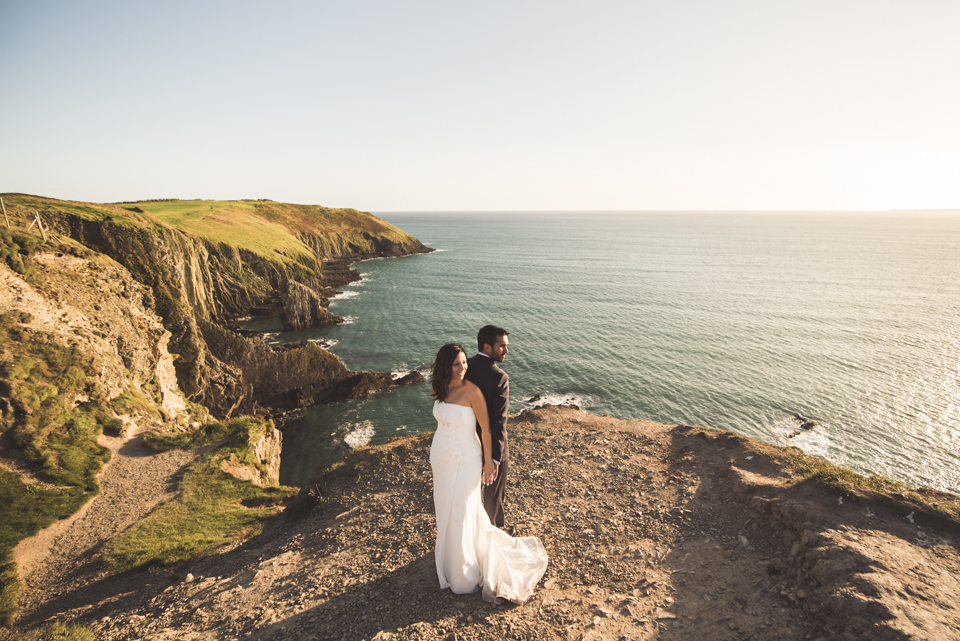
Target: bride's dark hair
[[443, 369]]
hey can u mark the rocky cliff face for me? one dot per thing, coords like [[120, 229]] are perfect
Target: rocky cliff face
[[195, 284], [81, 356], [96, 307], [302, 308], [264, 470]]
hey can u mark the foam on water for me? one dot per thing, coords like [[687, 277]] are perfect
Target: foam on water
[[582, 401], [359, 435]]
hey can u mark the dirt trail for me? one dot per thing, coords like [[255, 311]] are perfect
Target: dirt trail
[[653, 532], [63, 558]]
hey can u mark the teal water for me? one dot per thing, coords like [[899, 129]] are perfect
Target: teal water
[[731, 320]]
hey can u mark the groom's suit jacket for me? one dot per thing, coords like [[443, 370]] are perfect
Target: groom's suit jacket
[[495, 386]]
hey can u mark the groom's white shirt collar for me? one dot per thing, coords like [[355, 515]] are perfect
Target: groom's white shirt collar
[[482, 354]]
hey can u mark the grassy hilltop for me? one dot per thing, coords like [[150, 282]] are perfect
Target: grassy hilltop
[[271, 230]]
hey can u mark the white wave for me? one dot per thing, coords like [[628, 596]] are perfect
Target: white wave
[[551, 398], [360, 435], [346, 294], [325, 343], [814, 441], [348, 320]]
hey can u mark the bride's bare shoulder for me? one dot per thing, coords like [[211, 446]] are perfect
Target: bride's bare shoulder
[[473, 392]]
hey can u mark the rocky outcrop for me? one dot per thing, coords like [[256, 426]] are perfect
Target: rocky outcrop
[[302, 308], [352, 386], [265, 469], [253, 374]]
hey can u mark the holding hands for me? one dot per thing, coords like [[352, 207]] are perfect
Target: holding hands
[[489, 472]]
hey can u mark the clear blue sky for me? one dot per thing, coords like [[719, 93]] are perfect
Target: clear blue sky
[[454, 105]]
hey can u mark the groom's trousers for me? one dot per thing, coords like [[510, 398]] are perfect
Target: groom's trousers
[[493, 493]]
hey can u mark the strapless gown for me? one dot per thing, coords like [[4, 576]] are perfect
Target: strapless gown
[[471, 552]]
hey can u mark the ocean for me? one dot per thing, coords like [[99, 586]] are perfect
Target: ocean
[[733, 320]]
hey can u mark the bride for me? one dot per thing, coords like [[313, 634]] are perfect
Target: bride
[[471, 553]]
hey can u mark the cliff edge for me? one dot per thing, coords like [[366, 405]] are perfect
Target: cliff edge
[[653, 532]]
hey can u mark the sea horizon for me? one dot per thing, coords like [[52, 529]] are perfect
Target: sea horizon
[[731, 319]]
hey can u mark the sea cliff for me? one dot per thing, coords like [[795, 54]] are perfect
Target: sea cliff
[[204, 263], [115, 331]]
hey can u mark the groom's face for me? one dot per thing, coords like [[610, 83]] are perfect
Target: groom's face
[[498, 351]]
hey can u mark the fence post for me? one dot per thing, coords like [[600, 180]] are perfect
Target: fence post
[[40, 225], [5, 219]]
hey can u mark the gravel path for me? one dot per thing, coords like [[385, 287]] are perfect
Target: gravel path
[[63, 560]]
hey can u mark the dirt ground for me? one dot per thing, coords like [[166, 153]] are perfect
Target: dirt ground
[[653, 532]]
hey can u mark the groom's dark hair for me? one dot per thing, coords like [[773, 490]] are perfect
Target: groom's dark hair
[[488, 335]]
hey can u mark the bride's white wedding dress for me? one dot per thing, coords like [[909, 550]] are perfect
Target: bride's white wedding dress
[[472, 553]]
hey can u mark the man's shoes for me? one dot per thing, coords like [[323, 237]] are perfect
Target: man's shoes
[[509, 529]]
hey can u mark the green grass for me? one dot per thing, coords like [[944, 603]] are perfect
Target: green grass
[[43, 380], [234, 223], [60, 632], [27, 509], [205, 434], [272, 230], [133, 402], [210, 511], [9, 588]]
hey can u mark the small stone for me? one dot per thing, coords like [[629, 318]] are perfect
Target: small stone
[[469, 618], [188, 579], [666, 615]]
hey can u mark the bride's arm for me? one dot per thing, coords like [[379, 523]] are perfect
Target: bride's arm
[[479, 406]]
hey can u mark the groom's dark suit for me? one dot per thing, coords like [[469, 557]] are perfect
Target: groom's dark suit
[[483, 372]]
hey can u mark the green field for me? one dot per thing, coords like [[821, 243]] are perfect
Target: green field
[[235, 223], [265, 228]]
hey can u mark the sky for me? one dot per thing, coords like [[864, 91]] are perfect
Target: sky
[[495, 105]]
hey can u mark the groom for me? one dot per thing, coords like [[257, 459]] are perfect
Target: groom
[[482, 371]]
